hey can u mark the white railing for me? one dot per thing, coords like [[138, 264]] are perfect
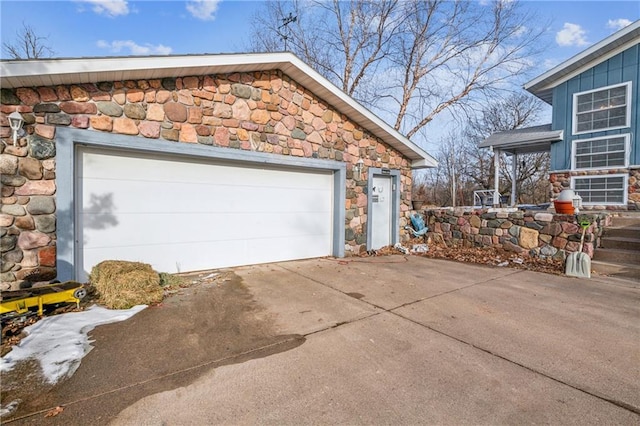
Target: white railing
[[485, 197]]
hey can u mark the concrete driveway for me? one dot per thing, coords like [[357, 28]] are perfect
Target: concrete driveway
[[395, 340]]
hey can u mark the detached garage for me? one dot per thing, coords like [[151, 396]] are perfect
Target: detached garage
[[191, 163]]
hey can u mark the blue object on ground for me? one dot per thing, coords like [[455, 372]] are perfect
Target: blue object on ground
[[419, 228]]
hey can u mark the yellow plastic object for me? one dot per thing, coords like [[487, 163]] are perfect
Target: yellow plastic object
[[21, 301]]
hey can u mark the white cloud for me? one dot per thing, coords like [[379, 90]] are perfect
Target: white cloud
[[618, 24], [108, 7], [520, 31], [203, 9], [117, 46], [571, 35]]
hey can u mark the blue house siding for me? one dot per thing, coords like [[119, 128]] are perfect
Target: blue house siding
[[622, 68]]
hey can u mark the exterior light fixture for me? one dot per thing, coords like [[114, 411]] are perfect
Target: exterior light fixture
[[15, 122], [358, 168]]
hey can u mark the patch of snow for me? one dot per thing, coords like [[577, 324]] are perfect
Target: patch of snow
[[9, 408], [61, 341], [211, 275]]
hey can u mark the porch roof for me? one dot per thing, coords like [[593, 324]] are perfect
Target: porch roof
[[524, 141]]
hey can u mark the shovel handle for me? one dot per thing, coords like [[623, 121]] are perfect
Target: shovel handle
[[584, 231]]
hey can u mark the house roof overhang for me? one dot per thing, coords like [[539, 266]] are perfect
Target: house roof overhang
[[523, 141], [52, 72], [543, 85]]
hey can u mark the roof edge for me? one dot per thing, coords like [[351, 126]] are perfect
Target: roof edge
[[284, 61], [591, 54]]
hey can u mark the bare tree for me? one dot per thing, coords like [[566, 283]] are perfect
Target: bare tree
[[28, 45], [409, 59], [464, 168], [344, 41]]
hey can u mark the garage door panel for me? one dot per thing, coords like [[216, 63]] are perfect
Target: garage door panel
[[190, 215], [108, 230], [153, 169], [174, 258], [194, 256], [150, 197]]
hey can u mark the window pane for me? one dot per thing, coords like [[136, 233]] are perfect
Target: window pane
[[617, 122], [601, 115], [618, 91], [616, 159], [600, 124], [602, 94], [599, 161], [602, 104], [618, 112], [584, 106], [584, 127], [601, 109], [608, 190], [618, 100]]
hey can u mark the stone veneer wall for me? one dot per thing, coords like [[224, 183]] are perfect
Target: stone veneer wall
[[264, 111], [527, 233], [562, 180]]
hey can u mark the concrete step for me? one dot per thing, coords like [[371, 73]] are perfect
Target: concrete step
[[613, 255], [623, 243], [619, 231], [625, 221], [627, 271]]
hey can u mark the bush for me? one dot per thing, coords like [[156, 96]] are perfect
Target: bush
[[121, 284]]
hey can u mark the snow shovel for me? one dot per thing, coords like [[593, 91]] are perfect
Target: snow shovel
[[579, 263]]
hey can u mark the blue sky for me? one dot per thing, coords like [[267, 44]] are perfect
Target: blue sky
[[121, 27], [80, 28]]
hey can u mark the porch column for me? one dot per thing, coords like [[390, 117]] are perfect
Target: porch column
[[496, 187], [514, 171]]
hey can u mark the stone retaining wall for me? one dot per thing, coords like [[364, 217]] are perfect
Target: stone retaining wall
[[264, 112], [539, 234]]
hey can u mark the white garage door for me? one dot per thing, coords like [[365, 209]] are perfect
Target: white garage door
[[187, 215]]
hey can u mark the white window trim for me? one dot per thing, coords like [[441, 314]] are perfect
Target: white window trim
[[625, 188], [627, 150], [574, 124]]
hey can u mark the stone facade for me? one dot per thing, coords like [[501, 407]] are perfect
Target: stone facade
[[538, 234], [562, 180], [263, 112]]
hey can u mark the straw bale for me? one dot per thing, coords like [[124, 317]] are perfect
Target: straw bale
[[122, 284]]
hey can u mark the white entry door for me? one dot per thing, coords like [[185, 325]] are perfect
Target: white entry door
[[381, 213], [186, 214]]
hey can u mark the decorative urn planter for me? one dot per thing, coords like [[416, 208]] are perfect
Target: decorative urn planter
[[417, 204], [564, 203]]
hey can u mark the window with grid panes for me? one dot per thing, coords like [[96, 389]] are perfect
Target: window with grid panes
[[601, 153], [600, 189], [602, 109]]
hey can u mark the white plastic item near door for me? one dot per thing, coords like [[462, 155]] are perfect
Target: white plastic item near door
[[381, 197]]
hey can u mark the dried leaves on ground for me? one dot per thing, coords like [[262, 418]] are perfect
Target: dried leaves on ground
[[490, 256]]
